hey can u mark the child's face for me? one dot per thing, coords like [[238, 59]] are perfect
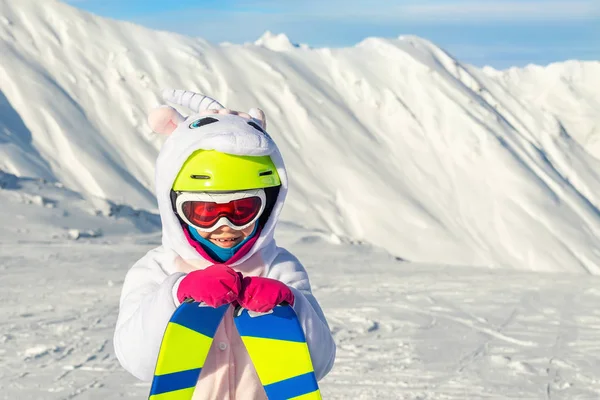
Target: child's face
[[227, 237]]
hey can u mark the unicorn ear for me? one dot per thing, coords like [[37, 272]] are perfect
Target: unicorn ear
[[259, 116], [164, 119]]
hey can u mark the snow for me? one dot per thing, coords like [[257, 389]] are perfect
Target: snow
[[274, 42], [448, 215], [403, 330], [46, 212], [558, 89]]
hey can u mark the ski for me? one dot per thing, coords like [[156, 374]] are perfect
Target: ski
[[183, 350], [277, 347]]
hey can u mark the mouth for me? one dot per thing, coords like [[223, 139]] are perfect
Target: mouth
[[226, 242]]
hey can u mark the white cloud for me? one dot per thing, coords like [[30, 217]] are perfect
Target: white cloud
[[504, 10], [413, 10]]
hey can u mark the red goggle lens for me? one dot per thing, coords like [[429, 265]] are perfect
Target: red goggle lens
[[205, 214]]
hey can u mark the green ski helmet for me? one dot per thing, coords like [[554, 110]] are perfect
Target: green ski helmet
[[213, 171]]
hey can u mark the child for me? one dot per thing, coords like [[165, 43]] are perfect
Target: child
[[221, 184]]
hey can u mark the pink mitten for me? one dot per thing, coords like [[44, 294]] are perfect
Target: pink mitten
[[215, 285], [263, 294]]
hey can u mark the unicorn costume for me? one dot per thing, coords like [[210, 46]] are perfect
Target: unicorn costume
[[149, 293]]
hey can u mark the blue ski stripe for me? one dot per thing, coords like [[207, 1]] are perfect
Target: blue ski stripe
[[205, 322], [175, 381], [293, 387], [281, 325]]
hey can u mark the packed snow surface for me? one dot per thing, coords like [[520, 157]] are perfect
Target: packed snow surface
[[403, 330]]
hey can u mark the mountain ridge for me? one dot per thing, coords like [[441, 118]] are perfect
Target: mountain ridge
[[394, 142]]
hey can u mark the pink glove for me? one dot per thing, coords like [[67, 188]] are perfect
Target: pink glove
[[263, 294], [215, 285]]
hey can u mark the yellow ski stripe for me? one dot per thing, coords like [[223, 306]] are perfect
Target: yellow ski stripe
[[316, 395], [274, 354], [183, 394], [187, 350]]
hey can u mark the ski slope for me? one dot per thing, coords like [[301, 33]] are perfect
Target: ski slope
[[403, 330], [391, 142]]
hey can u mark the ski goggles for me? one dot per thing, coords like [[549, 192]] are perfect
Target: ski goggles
[[208, 211]]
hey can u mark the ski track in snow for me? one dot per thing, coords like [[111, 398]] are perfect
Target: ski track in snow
[[404, 331]]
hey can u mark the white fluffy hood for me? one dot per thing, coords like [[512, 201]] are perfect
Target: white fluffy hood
[[231, 134]]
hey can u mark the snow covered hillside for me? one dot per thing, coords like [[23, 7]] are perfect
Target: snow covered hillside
[[38, 211], [392, 142]]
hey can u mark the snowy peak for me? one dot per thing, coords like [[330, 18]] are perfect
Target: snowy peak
[[275, 42]]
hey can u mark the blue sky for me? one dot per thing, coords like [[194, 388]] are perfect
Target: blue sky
[[500, 33]]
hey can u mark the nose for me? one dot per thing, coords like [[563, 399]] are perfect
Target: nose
[[225, 229]]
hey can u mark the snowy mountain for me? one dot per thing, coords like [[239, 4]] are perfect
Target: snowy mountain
[[392, 142]]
